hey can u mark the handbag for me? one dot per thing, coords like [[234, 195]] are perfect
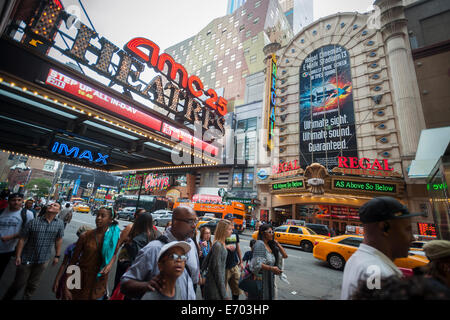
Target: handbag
[[117, 294], [250, 283]]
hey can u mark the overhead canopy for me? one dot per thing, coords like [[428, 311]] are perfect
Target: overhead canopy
[[432, 145], [38, 120]]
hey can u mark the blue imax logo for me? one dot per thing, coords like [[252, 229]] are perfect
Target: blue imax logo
[[74, 152]]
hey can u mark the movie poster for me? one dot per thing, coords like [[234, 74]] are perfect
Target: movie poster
[[327, 119]]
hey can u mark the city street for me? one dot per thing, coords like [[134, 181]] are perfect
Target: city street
[[309, 278]]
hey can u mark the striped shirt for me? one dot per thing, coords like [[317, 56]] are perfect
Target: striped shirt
[[41, 237]]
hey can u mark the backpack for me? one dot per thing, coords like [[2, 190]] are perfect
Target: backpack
[[23, 215], [205, 264]]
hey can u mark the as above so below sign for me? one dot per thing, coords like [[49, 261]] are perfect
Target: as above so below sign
[[364, 186], [296, 184]]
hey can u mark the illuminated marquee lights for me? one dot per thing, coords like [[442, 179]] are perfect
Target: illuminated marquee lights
[[82, 91], [33, 92], [132, 62]]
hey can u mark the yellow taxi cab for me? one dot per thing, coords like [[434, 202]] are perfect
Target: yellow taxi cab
[[295, 235], [204, 220], [337, 250], [417, 246], [82, 208]]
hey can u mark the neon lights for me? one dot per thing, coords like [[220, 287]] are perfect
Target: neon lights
[[63, 149], [363, 186], [273, 95], [153, 182], [297, 184]]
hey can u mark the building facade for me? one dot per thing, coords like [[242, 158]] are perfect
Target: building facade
[[347, 120]]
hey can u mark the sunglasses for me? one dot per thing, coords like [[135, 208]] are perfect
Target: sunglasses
[[269, 231], [176, 257], [189, 221]]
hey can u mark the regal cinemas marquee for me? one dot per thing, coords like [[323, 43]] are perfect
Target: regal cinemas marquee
[[340, 142]]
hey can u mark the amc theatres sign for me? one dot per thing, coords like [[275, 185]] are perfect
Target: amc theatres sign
[[179, 95]]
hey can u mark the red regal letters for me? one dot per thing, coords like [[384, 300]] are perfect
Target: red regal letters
[[363, 163]]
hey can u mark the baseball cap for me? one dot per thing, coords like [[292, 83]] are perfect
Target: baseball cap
[[15, 195], [229, 216], [182, 244], [384, 208], [437, 249]]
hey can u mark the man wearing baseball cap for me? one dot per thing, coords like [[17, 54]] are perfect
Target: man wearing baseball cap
[[171, 263], [387, 236]]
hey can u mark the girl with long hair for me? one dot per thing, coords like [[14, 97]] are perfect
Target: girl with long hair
[[266, 256], [215, 279]]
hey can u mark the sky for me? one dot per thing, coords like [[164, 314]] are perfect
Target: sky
[[168, 22]]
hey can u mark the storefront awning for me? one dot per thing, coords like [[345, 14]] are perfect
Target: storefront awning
[[432, 145]]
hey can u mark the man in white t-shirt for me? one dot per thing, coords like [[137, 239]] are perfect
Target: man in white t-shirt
[[10, 225], [387, 236]]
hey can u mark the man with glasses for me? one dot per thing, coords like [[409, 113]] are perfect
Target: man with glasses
[[171, 263], [144, 275]]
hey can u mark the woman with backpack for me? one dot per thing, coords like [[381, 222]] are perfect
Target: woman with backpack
[[215, 288], [141, 233]]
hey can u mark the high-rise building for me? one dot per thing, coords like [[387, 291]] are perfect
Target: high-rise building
[[299, 13], [229, 48], [233, 5], [303, 14]]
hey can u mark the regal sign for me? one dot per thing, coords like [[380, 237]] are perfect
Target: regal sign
[[139, 55], [284, 169], [365, 166]]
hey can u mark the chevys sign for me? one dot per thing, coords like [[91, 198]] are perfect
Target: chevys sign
[[139, 54], [156, 182]]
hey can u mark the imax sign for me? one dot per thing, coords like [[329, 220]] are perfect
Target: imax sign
[[75, 152]]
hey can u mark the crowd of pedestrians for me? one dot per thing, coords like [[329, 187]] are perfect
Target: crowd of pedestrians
[[173, 264]]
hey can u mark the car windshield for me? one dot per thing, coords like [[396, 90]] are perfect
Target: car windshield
[[311, 231]]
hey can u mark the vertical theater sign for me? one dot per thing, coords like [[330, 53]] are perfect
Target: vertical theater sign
[[327, 120]]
